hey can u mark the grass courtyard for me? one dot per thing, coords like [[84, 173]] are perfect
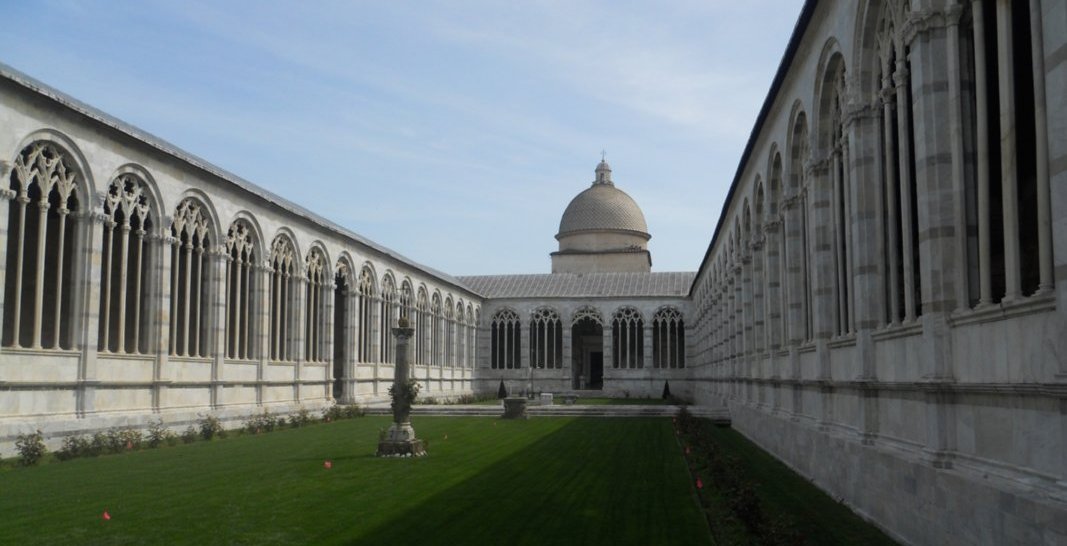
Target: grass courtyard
[[541, 481], [486, 481]]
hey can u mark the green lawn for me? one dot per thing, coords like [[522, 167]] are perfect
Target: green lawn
[[820, 518], [541, 481]]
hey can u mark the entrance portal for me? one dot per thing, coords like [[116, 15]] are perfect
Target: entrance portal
[[587, 338]]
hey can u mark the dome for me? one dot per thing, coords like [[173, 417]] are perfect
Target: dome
[[603, 207]]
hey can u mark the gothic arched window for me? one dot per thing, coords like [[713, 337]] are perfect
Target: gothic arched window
[[505, 343], [318, 282], [546, 339], [124, 313], [668, 339], [240, 287], [628, 339], [365, 292], [40, 249], [282, 298], [189, 281]]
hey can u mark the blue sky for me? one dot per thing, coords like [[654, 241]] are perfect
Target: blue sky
[[453, 132]]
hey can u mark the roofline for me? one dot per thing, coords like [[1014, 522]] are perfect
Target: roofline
[[41, 89], [799, 29], [645, 235]]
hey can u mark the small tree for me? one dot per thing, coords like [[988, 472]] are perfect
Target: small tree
[[30, 447], [502, 392], [666, 390]]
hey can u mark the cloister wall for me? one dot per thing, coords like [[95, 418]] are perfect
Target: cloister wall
[[88, 387], [876, 355]]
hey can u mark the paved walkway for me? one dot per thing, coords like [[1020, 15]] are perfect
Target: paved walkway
[[719, 415]]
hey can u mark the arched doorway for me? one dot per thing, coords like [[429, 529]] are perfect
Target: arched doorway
[[587, 350]]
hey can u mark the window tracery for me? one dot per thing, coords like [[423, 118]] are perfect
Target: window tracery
[[283, 298], [318, 283], [365, 291], [189, 282], [40, 249], [240, 287], [125, 267], [627, 338], [546, 339], [668, 339], [505, 342]]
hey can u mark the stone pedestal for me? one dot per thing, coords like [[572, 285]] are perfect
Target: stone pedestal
[[400, 441], [515, 408]]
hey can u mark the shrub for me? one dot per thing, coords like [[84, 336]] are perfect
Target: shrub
[[31, 448], [261, 422], [157, 433], [73, 447], [333, 413], [301, 418], [338, 411], [130, 439], [502, 392], [429, 401], [189, 435], [210, 427], [98, 444], [666, 390]]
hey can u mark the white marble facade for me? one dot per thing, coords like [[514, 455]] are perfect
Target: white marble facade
[[882, 305]]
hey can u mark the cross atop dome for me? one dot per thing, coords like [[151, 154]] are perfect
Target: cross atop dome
[[603, 172]]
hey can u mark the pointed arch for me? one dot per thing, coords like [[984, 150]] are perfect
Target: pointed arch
[[319, 278], [242, 262], [45, 227], [131, 217], [388, 316], [505, 340], [628, 338], [546, 338], [668, 338], [366, 292], [191, 232]]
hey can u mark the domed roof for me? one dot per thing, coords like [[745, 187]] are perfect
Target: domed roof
[[602, 207]]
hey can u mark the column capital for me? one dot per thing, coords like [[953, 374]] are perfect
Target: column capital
[[900, 75]]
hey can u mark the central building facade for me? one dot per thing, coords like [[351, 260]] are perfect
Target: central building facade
[[601, 321]]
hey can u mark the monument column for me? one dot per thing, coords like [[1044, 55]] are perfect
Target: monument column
[[399, 440]]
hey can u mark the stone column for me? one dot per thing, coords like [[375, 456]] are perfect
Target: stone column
[[400, 438], [260, 311], [90, 280], [214, 297], [1008, 153], [6, 195], [1041, 144], [793, 323]]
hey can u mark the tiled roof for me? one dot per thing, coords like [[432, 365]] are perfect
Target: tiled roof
[[582, 285]]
